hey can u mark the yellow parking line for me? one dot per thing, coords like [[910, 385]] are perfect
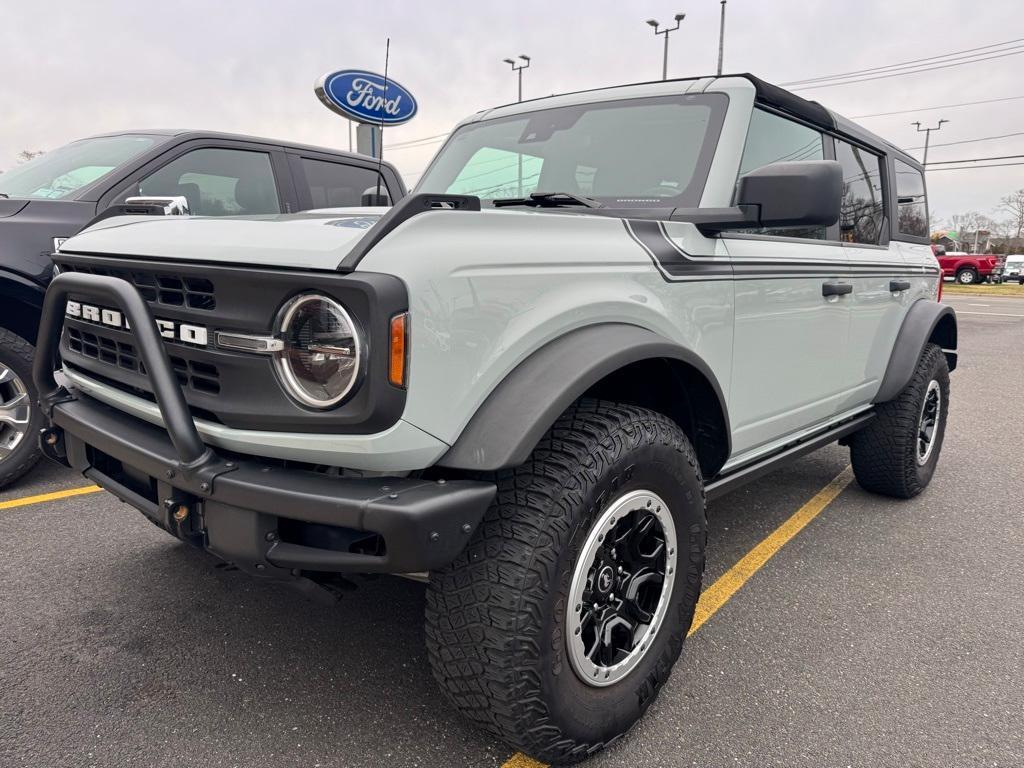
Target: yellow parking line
[[729, 583], [24, 501]]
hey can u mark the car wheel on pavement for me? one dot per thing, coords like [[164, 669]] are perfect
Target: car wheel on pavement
[[896, 453], [20, 419], [966, 277], [559, 623]]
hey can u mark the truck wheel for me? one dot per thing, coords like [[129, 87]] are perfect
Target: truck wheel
[[967, 277], [20, 420], [896, 453], [559, 623]]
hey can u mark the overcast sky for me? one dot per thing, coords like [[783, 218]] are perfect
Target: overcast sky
[[76, 68]]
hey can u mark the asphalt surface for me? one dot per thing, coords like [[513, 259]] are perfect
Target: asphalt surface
[[884, 634]]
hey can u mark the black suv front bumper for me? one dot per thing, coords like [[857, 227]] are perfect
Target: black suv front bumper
[[266, 519]]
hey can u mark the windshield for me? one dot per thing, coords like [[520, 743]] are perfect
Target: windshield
[[62, 172], [638, 153]]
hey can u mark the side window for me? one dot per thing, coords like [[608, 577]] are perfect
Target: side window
[[863, 208], [775, 139], [218, 182], [495, 173], [336, 185], [912, 208]]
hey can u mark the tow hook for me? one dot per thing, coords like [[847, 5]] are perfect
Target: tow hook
[[51, 443]]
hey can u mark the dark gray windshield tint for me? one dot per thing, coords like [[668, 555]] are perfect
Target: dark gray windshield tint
[[62, 172], [651, 152]]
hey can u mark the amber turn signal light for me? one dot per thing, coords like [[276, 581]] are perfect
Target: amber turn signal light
[[399, 360]]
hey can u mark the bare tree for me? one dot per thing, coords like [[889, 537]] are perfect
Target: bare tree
[[27, 154], [1013, 206]]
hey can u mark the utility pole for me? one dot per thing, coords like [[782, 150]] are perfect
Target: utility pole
[[721, 39], [664, 61], [519, 69], [927, 135]]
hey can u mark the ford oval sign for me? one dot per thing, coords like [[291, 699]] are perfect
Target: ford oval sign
[[361, 96]]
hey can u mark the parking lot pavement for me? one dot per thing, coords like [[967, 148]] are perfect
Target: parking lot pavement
[[883, 634]]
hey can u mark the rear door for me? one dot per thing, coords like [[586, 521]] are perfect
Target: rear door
[[790, 338], [324, 181], [881, 284]]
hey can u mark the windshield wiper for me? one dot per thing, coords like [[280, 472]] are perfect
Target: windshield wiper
[[549, 200], [4, 194]]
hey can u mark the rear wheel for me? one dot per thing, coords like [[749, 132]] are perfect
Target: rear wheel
[[967, 277], [19, 416], [557, 626], [897, 452]]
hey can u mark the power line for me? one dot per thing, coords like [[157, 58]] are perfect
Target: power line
[[972, 141], [941, 106], [974, 160], [974, 167], [908, 72], [943, 56]]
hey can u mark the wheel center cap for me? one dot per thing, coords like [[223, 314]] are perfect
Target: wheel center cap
[[605, 579]]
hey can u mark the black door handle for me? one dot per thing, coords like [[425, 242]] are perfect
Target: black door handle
[[899, 285], [836, 289]]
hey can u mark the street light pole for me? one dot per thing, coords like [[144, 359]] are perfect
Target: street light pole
[[721, 39], [664, 61], [927, 136], [519, 69]]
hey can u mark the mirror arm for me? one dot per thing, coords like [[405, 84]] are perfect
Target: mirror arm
[[711, 221]]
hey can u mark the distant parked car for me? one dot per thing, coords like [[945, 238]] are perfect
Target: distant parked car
[[1013, 269], [55, 195], [967, 268]]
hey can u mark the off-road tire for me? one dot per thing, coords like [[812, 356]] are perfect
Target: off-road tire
[[495, 617], [971, 274], [17, 354], [884, 454]]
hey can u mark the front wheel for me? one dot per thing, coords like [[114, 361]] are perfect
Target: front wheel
[[20, 419], [896, 453], [557, 626]]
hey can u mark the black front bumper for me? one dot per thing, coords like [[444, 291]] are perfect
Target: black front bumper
[[267, 519]]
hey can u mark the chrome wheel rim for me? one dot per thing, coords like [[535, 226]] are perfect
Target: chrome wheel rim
[[15, 411], [621, 587], [928, 423]]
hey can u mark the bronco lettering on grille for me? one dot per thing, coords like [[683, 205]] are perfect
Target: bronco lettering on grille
[[169, 329]]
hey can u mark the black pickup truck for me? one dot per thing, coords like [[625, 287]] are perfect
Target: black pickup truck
[[52, 197]]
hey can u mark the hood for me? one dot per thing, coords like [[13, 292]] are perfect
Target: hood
[[313, 240]]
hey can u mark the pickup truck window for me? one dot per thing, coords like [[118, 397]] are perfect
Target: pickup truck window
[[863, 208], [62, 172], [635, 153], [912, 211], [775, 139], [336, 185], [218, 182]]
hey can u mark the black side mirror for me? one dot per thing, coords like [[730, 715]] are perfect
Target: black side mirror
[[798, 194], [807, 193]]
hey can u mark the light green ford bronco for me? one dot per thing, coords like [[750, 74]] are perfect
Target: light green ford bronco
[[522, 382]]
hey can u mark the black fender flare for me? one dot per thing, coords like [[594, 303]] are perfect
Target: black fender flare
[[517, 413], [919, 327], [21, 302]]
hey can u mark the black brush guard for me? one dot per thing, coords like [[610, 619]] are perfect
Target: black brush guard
[[268, 520]]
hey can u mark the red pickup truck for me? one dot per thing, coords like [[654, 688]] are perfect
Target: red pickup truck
[[968, 268]]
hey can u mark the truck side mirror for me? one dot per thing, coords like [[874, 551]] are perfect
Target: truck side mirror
[[796, 194]]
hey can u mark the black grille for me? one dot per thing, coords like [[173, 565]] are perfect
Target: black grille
[[161, 288], [202, 377]]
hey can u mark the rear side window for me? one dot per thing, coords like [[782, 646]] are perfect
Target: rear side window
[[912, 208], [863, 208], [218, 182], [336, 185], [775, 139]]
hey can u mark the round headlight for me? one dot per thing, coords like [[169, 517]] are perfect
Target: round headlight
[[320, 362]]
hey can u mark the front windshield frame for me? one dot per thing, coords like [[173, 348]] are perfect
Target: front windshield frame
[[689, 198], [74, 187]]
